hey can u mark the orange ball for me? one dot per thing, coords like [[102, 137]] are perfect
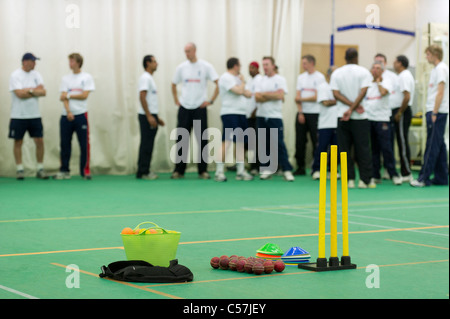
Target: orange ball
[[127, 231]]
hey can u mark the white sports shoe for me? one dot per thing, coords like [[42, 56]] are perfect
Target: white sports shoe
[[386, 175], [265, 175], [416, 183], [397, 180], [220, 177], [408, 179], [315, 175], [62, 175], [288, 176], [150, 176], [351, 183], [244, 176], [371, 184]]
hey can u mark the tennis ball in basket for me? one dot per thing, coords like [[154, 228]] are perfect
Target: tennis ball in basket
[[223, 263], [127, 231], [268, 266], [279, 266], [240, 265], [258, 269], [215, 262]]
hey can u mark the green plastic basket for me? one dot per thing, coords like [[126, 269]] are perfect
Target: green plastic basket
[[157, 249]]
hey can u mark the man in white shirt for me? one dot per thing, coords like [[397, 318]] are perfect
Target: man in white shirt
[[75, 89], [403, 114], [376, 104], [255, 76], [233, 114], [194, 74], [435, 156], [148, 118], [269, 92], [349, 84], [308, 110], [26, 86], [394, 98], [327, 123]]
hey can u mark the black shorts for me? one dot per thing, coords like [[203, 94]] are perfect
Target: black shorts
[[18, 128], [232, 122]]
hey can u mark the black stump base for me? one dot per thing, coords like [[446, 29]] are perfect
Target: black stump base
[[322, 264]]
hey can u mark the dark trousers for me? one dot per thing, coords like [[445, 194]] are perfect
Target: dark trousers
[[326, 138], [267, 124], [401, 133], [301, 131], [251, 122], [66, 128], [380, 133], [146, 146], [186, 121], [435, 157], [356, 134]]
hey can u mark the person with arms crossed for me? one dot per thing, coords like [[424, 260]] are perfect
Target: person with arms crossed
[[395, 100], [194, 74], [148, 118], [327, 123], [403, 115], [269, 92], [435, 156], [26, 86], [75, 89], [376, 104], [349, 84], [308, 110], [233, 114], [255, 76]]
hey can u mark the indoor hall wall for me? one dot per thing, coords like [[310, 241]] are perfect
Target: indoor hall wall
[[113, 36]]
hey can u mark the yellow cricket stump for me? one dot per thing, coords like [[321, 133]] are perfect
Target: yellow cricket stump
[[344, 191], [322, 203], [333, 263]]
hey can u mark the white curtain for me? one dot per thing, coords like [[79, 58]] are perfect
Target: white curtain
[[113, 36]]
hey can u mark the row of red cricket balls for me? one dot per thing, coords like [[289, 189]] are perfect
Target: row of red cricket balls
[[249, 265]]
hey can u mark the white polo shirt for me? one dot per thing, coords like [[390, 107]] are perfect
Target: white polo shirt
[[271, 109], [24, 108], [194, 77], [349, 80], [376, 106], [250, 86], [328, 115], [231, 103], [395, 95], [307, 85], [147, 83], [75, 84], [406, 82], [438, 74]]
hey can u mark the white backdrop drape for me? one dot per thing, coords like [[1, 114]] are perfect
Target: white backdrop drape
[[113, 36]]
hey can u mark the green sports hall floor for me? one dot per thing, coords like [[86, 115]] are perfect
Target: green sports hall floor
[[48, 225]]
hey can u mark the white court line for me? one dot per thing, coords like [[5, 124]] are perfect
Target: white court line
[[356, 203], [18, 292], [350, 222], [382, 218]]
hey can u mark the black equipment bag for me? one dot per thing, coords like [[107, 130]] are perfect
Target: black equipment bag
[[142, 271]]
